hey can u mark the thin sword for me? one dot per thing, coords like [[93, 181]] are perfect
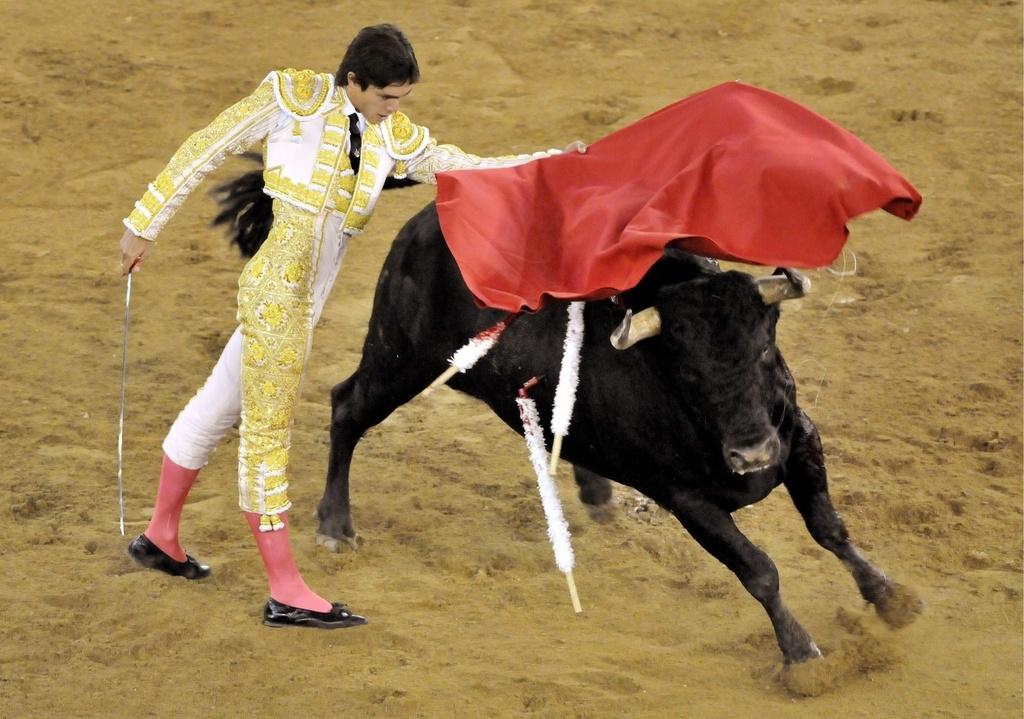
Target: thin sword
[[124, 377]]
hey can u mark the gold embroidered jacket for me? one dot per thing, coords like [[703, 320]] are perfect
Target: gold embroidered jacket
[[302, 120]]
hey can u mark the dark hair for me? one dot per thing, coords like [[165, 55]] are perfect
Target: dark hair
[[379, 55]]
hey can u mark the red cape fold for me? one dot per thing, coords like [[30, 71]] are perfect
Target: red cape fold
[[734, 172]]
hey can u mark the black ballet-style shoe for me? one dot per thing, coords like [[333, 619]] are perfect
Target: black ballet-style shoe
[[149, 555], [276, 614]]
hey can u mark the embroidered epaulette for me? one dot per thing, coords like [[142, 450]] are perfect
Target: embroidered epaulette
[[402, 138], [302, 93]]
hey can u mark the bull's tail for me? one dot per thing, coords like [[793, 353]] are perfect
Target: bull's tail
[[245, 209]]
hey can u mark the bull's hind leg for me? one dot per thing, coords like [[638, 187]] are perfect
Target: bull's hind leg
[[714, 530], [362, 401], [807, 483]]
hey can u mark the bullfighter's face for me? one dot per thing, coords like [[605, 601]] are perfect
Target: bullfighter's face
[[376, 103]]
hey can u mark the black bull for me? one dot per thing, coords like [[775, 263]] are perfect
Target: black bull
[[701, 417]]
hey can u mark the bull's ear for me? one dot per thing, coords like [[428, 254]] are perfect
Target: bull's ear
[[673, 267], [686, 262], [784, 284]]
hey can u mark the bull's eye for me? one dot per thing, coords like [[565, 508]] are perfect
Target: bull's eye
[[766, 353]]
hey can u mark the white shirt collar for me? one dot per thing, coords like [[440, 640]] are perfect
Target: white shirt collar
[[348, 108]]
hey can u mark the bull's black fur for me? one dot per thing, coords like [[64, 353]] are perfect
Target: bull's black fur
[[667, 416], [248, 211]]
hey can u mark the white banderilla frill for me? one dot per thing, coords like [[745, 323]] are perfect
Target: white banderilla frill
[[471, 353], [558, 528], [568, 380]]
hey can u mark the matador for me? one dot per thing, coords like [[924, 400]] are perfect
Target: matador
[[329, 144]]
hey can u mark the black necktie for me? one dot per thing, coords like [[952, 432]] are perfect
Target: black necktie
[[355, 141]]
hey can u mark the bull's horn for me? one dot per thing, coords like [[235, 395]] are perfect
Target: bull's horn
[[788, 286], [633, 329]]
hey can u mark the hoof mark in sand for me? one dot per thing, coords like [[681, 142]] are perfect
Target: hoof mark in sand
[[826, 85], [605, 113], [31, 508], [835, 86], [918, 116], [847, 43]]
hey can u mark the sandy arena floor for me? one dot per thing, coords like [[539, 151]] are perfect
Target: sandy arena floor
[[911, 367]]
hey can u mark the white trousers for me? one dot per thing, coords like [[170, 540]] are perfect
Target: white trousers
[[217, 406]]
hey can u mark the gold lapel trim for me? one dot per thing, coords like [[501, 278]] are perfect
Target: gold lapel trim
[[302, 93]]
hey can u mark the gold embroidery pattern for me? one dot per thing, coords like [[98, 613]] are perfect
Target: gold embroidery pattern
[[442, 158], [363, 196], [343, 179], [401, 127], [345, 184], [302, 92], [234, 130], [275, 310], [270, 523], [333, 186], [296, 193], [331, 166], [151, 203], [403, 138]]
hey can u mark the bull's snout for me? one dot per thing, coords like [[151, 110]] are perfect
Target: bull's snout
[[755, 457]]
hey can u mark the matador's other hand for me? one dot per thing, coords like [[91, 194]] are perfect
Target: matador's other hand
[[134, 250], [576, 146]]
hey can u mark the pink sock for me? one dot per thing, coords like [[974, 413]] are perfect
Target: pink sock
[[286, 584], [175, 483]]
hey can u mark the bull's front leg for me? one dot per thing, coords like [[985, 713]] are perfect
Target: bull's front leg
[[807, 483], [715, 530], [595, 494]]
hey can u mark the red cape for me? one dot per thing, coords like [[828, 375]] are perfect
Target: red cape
[[734, 172]]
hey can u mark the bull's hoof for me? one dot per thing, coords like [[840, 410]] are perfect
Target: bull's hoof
[[810, 678], [333, 544], [601, 513], [865, 649], [899, 606]]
